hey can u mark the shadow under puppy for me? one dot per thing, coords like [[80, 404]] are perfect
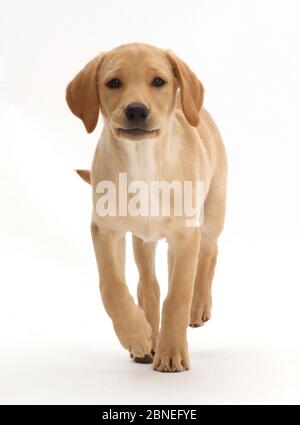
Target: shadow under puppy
[[155, 129]]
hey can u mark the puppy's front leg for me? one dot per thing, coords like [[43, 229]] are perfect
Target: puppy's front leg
[[172, 351], [129, 321]]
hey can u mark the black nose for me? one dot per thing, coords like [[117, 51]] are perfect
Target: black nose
[[136, 112]]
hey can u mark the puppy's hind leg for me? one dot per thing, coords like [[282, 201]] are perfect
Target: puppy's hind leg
[[148, 288], [202, 299], [214, 212]]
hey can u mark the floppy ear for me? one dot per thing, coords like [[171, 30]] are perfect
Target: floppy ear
[[82, 94], [191, 89]]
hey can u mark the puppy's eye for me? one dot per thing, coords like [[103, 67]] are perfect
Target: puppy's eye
[[158, 82], [114, 83]]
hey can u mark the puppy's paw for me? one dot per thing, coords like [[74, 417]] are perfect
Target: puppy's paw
[[134, 333], [200, 313], [148, 358], [171, 358]]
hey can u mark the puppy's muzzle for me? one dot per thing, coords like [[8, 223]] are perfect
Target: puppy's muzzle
[[136, 114], [137, 125]]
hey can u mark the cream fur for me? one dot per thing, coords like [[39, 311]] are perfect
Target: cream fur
[[187, 146]]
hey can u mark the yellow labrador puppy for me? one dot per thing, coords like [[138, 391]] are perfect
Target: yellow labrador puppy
[[155, 130]]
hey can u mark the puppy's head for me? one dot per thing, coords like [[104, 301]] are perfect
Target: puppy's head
[[135, 88]]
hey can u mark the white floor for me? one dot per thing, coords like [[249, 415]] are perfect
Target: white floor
[[69, 372], [58, 346]]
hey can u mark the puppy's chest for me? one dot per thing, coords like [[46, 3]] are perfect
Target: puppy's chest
[[141, 163], [142, 171], [149, 232]]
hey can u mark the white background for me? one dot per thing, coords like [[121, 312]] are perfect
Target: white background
[[57, 344]]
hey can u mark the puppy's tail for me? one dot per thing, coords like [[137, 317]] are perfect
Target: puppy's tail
[[85, 175]]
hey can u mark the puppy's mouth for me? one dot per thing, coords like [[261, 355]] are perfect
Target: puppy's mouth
[[137, 133]]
